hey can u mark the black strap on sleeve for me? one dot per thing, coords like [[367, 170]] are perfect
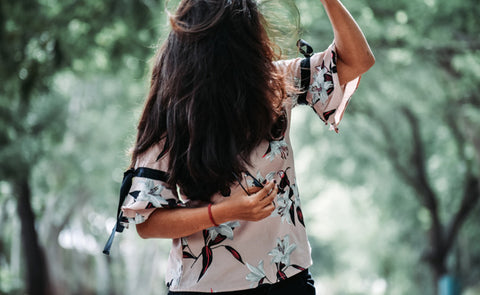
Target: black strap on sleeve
[[151, 173], [304, 69], [124, 190]]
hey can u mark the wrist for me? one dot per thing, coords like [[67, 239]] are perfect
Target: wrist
[[210, 215], [219, 213]]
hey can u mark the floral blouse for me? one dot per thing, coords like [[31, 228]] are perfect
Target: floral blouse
[[240, 254]]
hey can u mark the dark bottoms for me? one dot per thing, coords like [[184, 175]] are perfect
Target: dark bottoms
[[299, 284]]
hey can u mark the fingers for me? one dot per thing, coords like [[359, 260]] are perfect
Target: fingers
[[258, 205], [270, 195], [266, 196], [269, 205], [254, 189], [266, 190]]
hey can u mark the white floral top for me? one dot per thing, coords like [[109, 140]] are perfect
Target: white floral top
[[240, 255]]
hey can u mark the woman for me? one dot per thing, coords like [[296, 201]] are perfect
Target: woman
[[213, 162]]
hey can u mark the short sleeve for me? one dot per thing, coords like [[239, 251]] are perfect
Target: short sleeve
[[149, 190], [325, 94]]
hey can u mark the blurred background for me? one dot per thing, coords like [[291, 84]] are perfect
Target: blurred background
[[391, 201]]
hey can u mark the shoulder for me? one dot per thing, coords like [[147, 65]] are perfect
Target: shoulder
[[153, 159]]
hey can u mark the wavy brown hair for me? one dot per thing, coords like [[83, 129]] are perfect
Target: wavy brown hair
[[214, 96]]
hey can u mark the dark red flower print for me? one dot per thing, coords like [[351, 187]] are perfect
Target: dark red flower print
[[212, 238], [207, 256], [188, 255], [235, 253], [292, 213], [205, 236], [297, 267], [281, 276], [284, 181], [327, 115], [218, 240], [327, 77], [300, 216]]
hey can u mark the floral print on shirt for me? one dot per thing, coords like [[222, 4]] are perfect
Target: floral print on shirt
[[257, 274], [276, 147], [227, 258], [322, 85], [224, 229], [280, 257], [269, 177], [151, 194], [213, 237], [286, 207]]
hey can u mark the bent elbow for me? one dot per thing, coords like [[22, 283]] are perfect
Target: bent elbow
[[142, 231], [367, 62], [371, 60]]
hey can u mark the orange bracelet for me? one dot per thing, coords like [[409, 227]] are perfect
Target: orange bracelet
[[211, 215]]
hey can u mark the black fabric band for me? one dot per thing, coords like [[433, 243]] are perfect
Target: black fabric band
[[307, 51], [125, 189], [305, 80], [151, 173]]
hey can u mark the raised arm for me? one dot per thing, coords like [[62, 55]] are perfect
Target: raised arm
[[354, 54]]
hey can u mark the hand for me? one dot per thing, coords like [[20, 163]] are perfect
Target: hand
[[257, 206]]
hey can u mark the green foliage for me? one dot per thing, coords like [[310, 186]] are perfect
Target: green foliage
[[64, 104], [41, 39], [427, 63]]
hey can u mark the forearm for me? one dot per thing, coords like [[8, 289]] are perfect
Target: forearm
[[352, 47], [180, 222]]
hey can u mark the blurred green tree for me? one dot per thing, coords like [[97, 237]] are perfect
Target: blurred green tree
[[416, 124], [39, 40]]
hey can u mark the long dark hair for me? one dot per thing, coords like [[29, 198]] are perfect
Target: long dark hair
[[214, 95]]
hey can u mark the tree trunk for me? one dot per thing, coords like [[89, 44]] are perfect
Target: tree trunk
[[37, 278]]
